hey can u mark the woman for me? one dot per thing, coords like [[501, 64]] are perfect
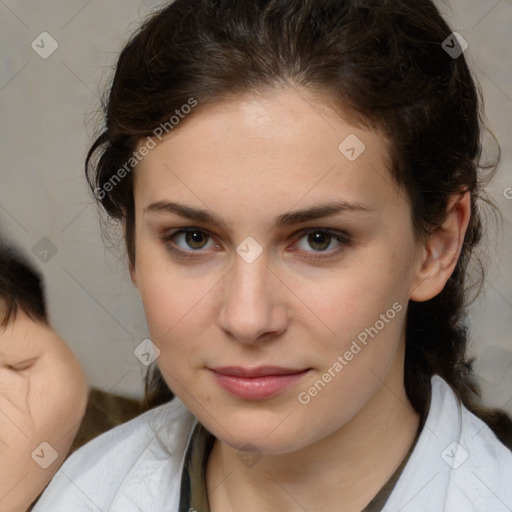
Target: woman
[[299, 189]]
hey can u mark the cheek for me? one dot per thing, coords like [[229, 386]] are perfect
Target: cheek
[[358, 357], [363, 306], [58, 405], [178, 315], [168, 301], [354, 297], [171, 293]]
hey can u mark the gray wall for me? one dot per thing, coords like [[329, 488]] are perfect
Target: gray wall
[[49, 110]]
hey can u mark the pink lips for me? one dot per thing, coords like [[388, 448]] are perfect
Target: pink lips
[[256, 383]]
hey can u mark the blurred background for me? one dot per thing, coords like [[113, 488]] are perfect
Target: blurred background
[[57, 59]]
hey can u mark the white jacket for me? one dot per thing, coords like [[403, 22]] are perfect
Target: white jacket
[[458, 465]]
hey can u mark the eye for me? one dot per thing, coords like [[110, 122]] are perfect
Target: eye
[[188, 240], [23, 365], [193, 242], [321, 240]]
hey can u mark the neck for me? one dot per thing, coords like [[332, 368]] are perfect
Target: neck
[[341, 472]]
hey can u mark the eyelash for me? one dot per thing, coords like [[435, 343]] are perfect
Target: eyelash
[[341, 237]]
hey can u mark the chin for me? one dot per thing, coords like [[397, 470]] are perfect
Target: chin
[[257, 434], [260, 445]]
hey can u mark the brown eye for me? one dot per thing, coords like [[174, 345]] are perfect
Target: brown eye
[[322, 243], [189, 242], [196, 239], [319, 240]]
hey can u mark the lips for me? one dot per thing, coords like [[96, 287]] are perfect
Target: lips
[[261, 371], [256, 383]]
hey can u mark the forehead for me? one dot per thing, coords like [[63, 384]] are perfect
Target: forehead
[[270, 148]]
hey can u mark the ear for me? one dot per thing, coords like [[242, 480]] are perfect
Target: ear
[[442, 250]]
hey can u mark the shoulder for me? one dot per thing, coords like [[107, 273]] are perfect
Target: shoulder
[[108, 472], [458, 463], [478, 443], [482, 466]]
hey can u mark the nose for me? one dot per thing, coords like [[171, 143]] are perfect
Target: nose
[[253, 307]]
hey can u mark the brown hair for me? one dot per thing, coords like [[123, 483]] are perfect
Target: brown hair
[[382, 63]]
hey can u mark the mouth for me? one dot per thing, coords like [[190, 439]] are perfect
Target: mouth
[[257, 383]]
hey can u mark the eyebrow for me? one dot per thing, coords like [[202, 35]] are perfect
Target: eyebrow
[[319, 211]]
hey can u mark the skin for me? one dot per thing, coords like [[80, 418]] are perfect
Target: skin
[[248, 161], [43, 395]]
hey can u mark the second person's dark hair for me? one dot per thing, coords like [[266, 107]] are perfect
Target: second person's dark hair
[[21, 286]]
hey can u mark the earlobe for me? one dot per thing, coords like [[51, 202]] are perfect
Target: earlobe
[[442, 250]]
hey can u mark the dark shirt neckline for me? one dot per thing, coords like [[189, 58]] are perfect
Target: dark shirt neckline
[[194, 495]]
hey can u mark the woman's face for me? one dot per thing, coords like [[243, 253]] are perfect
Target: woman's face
[[299, 255]]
